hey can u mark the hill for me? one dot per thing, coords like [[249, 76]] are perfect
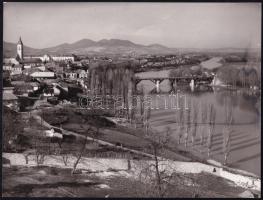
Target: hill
[[9, 50], [87, 46], [111, 46]]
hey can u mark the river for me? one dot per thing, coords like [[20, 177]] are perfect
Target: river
[[245, 139]]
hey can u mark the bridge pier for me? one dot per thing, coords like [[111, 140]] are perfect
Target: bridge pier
[[173, 83], [192, 85], [157, 83], [136, 82]]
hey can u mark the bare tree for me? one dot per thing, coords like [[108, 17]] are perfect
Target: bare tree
[[180, 119], [132, 117], [41, 149], [154, 172], [211, 128], [65, 158], [94, 134], [79, 154], [204, 119], [145, 110], [77, 147], [195, 117], [226, 129], [146, 118], [188, 126]]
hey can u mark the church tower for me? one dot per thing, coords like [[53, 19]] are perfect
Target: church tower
[[20, 49]]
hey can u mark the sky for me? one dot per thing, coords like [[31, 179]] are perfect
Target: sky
[[179, 25]]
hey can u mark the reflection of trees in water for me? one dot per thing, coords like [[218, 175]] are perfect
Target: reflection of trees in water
[[248, 103], [232, 96], [198, 91], [243, 101], [201, 90]]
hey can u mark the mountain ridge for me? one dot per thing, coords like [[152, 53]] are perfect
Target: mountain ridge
[[104, 46]]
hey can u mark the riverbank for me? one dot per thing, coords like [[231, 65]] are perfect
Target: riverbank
[[131, 139], [188, 155]]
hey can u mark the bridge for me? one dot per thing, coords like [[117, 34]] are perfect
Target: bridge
[[174, 80]]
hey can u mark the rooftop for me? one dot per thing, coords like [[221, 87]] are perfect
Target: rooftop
[[9, 96], [31, 60], [8, 88], [18, 82], [34, 84], [43, 74]]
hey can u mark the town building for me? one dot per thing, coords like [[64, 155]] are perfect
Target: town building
[[7, 67], [10, 61], [29, 71], [82, 73], [46, 58], [34, 60], [70, 74], [24, 88], [43, 75], [16, 70], [63, 58]]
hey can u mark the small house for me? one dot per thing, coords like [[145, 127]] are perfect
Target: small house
[[17, 69], [82, 73], [52, 133]]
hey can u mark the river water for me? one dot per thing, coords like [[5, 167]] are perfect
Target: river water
[[245, 139]]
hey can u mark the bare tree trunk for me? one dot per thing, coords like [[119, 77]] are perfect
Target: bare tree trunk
[[79, 156], [226, 130], [158, 177]]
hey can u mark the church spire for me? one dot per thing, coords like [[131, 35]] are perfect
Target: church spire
[[20, 41], [20, 49]]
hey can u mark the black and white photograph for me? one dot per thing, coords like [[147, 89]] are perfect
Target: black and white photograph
[[131, 99]]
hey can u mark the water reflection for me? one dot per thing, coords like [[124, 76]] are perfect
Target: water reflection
[[244, 102]]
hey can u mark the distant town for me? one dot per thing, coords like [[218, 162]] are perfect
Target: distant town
[[50, 75]]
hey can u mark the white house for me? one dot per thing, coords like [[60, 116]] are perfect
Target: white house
[[51, 133], [17, 69], [43, 75], [46, 58], [7, 67], [27, 66], [82, 73], [63, 58], [34, 85], [71, 75], [42, 67]]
